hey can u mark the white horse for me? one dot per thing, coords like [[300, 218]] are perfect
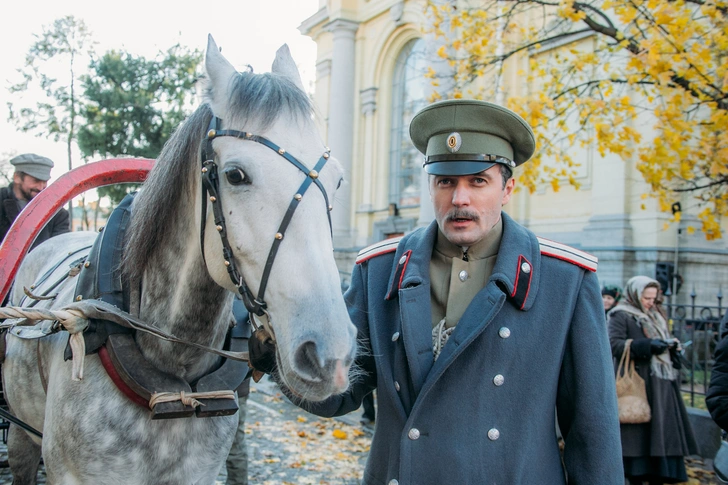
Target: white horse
[[94, 434]]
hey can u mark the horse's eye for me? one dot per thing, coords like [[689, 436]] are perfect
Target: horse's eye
[[341, 181], [235, 176]]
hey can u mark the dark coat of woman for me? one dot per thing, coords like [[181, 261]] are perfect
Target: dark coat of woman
[[652, 451], [717, 396]]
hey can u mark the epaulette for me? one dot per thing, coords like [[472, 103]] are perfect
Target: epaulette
[[377, 249], [568, 254]]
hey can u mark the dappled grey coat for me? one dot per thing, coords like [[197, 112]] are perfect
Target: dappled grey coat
[[550, 347]]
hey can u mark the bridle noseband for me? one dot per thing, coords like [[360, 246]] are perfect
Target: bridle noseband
[[211, 184]]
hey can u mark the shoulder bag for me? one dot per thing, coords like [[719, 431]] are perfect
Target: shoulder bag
[[631, 393]]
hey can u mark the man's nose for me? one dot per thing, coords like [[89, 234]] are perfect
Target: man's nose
[[461, 195], [42, 185]]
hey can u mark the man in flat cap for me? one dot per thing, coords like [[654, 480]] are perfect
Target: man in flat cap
[[31, 176], [477, 335]]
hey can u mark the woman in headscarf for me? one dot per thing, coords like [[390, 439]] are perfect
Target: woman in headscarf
[[652, 452], [611, 295]]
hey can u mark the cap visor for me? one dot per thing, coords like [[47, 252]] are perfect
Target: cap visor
[[457, 168]]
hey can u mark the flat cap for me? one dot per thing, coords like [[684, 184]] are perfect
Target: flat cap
[[34, 165], [467, 136]]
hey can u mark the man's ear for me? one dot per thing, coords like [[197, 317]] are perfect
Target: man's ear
[[508, 190]]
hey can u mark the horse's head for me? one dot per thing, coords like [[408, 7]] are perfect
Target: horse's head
[[276, 183]]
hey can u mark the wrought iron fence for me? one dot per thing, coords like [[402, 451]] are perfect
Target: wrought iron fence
[[697, 327]]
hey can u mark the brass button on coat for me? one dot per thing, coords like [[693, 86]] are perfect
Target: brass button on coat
[[463, 275], [493, 434], [413, 434], [395, 336], [526, 268], [393, 482], [498, 380], [396, 386], [504, 332]]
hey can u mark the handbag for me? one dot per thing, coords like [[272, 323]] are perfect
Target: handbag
[[720, 462], [631, 393]]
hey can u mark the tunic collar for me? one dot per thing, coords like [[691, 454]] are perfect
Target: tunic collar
[[518, 246], [485, 248]]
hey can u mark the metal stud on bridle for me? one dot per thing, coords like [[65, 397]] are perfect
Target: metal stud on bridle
[[211, 184]]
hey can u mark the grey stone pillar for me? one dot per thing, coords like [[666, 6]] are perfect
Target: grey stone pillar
[[341, 121], [445, 76]]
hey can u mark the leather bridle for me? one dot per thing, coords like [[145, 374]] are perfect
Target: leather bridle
[[211, 184]]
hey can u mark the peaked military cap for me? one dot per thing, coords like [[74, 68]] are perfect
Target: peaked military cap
[[34, 165], [467, 136]]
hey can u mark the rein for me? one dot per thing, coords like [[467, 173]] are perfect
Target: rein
[[256, 305]]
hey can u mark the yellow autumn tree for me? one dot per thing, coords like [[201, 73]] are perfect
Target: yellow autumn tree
[[641, 79]]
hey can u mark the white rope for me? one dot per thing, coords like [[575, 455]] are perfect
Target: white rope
[[73, 320], [188, 398]]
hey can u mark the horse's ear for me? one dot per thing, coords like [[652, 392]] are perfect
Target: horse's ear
[[285, 66], [219, 70]]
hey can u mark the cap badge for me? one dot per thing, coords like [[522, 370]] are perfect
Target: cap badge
[[454, 142]]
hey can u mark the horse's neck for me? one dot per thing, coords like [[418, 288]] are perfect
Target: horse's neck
[[179, 297]]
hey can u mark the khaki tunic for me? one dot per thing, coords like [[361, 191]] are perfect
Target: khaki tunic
[[456, 279]]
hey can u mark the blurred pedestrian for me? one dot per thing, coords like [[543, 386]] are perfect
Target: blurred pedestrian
[[369, 415], [717, 396], [31, 176], [652, 452], [611, 294], [236, 463]]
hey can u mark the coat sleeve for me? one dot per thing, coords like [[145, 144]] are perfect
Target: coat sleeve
[[60, 223], [587, 399], [363, 376], [716, 398], [618, 325]]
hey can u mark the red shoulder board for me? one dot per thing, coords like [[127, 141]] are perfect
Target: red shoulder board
[[377, 249], [568, 254]]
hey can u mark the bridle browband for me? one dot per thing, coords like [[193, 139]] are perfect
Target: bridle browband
[[211, 184]]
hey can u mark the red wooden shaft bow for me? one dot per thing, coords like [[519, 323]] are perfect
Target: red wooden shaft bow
[[44, 206]]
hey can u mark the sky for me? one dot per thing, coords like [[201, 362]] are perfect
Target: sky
[[248, 31]]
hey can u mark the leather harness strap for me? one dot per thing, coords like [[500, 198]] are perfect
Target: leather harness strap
[[210, 184]]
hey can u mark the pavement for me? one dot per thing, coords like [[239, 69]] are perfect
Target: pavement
[[287, 446]]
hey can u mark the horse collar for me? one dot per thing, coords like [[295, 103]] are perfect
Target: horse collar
[[211, 185]]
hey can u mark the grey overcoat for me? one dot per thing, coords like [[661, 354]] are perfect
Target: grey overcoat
[[531, 343]]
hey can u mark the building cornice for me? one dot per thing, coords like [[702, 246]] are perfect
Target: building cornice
[[308, 25]]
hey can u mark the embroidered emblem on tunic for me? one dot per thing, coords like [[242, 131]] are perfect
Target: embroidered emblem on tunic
[[440, 336]]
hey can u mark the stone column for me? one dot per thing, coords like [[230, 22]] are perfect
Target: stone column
[[341, 121], [368, 99], [445, 76]]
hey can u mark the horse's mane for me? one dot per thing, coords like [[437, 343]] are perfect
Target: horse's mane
[[168, 189]]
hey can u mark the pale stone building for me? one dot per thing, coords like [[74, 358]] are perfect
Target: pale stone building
[[369, 83]]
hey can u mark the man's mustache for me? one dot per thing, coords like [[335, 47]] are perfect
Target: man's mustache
[[462, 214]]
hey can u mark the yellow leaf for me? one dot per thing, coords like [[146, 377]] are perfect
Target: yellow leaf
[[339, 435], [301, 419]]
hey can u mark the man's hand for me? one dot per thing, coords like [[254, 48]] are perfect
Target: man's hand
[[262, 352]]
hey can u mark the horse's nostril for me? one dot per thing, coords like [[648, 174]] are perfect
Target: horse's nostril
[[308, 362]]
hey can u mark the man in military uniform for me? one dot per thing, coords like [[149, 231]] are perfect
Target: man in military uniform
[[477, 334], [31, 176]]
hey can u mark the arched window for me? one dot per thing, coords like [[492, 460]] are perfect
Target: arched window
[[409, 87]]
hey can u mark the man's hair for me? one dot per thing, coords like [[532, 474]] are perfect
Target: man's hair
[[506, 173]]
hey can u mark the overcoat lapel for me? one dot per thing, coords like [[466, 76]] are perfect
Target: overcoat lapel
[[410, 282]]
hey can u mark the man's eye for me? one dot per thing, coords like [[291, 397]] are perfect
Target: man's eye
[[235, 176]]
